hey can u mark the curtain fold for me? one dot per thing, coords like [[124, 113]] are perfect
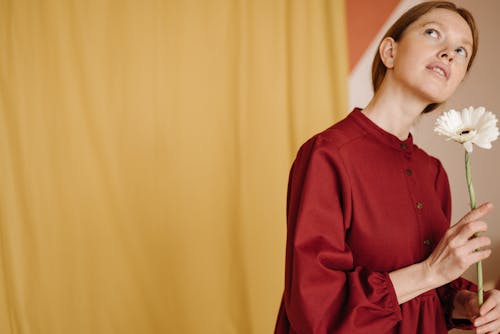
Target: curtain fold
[[145, 149]]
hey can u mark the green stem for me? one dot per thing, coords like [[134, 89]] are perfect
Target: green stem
[[472, 198]]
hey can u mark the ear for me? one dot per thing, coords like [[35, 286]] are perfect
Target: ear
[[387, 51]]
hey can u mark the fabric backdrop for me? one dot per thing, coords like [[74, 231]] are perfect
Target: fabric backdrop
[[144, 155]]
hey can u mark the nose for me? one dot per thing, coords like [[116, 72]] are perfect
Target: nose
[[446, 55]]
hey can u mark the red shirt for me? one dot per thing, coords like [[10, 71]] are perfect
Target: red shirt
[[362, 203]]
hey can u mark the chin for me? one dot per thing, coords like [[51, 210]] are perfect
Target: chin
[[438, 100], [432, 97]]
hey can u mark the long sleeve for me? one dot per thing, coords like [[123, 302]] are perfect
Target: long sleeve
[[362, 203], [325, 292], [447, 292]]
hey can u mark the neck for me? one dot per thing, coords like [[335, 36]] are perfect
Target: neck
[[394, 109]]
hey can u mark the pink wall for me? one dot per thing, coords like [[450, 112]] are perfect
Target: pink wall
[[364, 20]]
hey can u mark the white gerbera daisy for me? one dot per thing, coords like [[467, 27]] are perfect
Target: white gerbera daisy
[[471, 126]]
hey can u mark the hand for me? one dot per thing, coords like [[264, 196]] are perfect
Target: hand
[[489, 314], [487, 318], [458, 250]]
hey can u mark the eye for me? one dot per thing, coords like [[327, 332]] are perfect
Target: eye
[[461, 52], [432, 32]]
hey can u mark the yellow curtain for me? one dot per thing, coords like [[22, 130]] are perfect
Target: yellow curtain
[[144, 155]]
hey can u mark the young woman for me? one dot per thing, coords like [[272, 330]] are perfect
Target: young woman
[[369, 245]]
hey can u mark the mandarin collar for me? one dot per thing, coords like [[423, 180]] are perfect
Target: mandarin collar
[[380, 134]]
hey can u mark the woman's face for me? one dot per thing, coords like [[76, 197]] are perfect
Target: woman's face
[[431, 57]]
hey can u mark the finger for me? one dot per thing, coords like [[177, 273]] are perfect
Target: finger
[[467, 230], [478, 256], [478, 212], [485, 318], [479, 243], [490, 327], [489, 303]]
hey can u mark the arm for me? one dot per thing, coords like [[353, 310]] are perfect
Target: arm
[[324, 291], [453, 295], [454, 254]]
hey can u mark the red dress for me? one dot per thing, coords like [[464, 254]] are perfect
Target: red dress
[[362, 203]]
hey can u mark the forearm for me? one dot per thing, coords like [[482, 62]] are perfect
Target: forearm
[[412, 281], [455, 253]]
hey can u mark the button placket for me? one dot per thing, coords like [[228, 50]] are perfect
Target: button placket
[[406, 151]]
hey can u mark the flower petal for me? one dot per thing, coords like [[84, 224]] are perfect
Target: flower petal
[[470, 126]]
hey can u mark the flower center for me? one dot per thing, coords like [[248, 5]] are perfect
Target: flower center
[[465, 134]]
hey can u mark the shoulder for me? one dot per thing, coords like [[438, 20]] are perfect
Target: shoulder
[[335, 138], [321, 160]]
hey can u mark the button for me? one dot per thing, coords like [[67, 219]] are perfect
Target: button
[[403, 145], [419, 205], [427, 242], [408, 172]]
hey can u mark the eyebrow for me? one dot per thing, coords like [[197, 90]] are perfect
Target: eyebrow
[[464, 41]]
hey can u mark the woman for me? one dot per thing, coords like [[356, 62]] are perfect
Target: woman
[[369, 245]]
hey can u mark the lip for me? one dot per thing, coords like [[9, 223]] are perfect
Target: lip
[[441, 66]]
